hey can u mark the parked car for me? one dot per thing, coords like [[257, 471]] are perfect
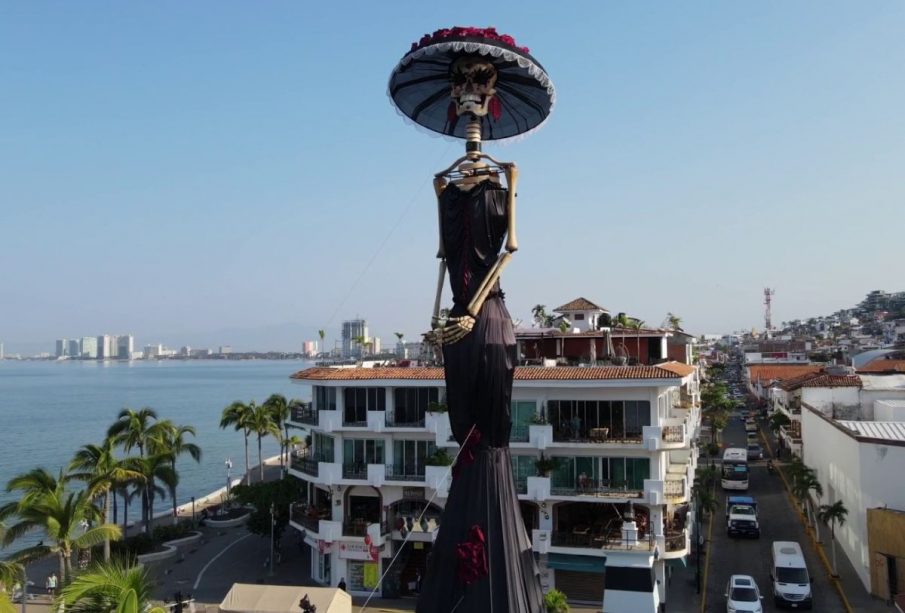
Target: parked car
[[755, 451], [742, 594]]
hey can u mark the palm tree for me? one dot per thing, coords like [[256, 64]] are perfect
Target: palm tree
[[541, 317], [154, 468], [170, 440], [10, 574], [110, 587], [674, 322], [278, 407], [706, 501], [132, 430], [260, 422], [322, 334], [833, 514], [63, 516], [237, 415], [637, 325], [360, 341], [102, 471]]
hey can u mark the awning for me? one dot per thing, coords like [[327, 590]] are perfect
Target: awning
[[250, 598], [566, 561]]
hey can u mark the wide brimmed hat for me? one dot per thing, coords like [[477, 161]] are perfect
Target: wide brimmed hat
[[420, 87]]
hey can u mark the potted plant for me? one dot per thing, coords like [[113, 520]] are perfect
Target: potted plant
[[436, 407], [545, 465], [438, 458]]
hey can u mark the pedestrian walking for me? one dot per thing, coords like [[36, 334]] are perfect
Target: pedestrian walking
[[342, 584], [52, 583]]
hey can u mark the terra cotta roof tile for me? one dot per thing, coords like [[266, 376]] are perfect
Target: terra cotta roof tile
[[526, 373]]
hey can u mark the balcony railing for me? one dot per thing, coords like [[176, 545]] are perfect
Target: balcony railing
[[676, 541], [596, 435], [596, 487], [612, 539], [307, 465], [408, 472], [674, 489], [518, 434], [359, 527], [304, 415], [405, 421], [673, 434], [355, 470], [307, 516], [353, 421]]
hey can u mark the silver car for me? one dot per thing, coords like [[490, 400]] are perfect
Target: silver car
[[755, 452]]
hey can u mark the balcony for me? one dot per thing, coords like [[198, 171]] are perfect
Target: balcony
[[359, 527], [676, 543], [521, 485], [353, 421], [601, 435], [598, 488], [308, 517], [673, 434], [355, 470], [305, 464], [409, 472], [583, 538], [405, 421], [675, 490], [304, 414]]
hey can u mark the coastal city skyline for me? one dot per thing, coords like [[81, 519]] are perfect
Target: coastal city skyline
[[715, 151]]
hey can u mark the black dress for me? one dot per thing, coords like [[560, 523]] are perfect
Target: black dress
[[482, 558]]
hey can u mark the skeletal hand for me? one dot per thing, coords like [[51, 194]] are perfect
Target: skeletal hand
[[449, 330]]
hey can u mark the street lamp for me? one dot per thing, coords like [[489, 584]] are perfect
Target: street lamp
[[229, 467], [271, 539], [193, 510]]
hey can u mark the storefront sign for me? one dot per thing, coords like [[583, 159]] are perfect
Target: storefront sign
[[359, 551], [413, 493]]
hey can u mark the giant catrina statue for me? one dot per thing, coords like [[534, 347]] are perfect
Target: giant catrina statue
[[474, 83]]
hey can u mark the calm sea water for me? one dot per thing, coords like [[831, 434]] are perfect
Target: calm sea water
[[49, 409]]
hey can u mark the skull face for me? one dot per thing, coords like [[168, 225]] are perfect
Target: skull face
[[472, 82]]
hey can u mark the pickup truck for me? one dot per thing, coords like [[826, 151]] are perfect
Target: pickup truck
[[741, 516]]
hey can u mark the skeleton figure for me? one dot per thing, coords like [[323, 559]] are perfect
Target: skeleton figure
[[472, 81]]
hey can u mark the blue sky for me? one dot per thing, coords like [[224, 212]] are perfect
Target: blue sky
[[232, 172]]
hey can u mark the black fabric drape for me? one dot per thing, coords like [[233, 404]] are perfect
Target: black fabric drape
[[479, 371]]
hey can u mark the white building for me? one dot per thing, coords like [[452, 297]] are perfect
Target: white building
[[859, 463], [106, 347], [62, 348], [74, 348], [309, 348], [153, 351], [225, 350], [581, 313], [621, 437], [89, 347]]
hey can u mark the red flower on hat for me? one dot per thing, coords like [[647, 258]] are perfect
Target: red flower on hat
[[467, 455], [470, 32]]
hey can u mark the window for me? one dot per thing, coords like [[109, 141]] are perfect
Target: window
[[324, 398], [523, 413], [580, 419], [578, 317], [323, 447], [408, 456], [411, 403], [607, 473], [363, 451], [360, 400]]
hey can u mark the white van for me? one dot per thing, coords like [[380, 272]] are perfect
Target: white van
[[789, 574]]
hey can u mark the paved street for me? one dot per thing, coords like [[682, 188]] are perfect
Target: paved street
[[778, 522]]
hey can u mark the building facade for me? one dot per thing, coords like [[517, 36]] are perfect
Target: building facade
[[89, 347], [603, 459], [352, 331]]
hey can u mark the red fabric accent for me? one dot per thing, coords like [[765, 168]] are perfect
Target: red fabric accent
[[472, 557], [495, 109], [451, 112]]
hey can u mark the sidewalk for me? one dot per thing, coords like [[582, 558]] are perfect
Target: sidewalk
[[853, 592]]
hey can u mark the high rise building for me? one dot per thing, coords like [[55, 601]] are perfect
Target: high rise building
[[153, 351], [62, 348], [353, 331], [225, 350], [125, 346], [309, 348], [1, 350], [89, 347], [106, 347], [75, 349]]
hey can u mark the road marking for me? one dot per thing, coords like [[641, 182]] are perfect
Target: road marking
[[214, 559]]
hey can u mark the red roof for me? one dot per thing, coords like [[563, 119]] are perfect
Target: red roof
[[527, 373], [681, 369], [882, 365], [821, 379], [579, 304], [767, 373]]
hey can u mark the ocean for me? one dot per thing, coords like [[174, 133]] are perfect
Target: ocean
[[50, 409]]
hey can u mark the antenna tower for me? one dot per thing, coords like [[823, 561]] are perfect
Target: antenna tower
[[768, 300]]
